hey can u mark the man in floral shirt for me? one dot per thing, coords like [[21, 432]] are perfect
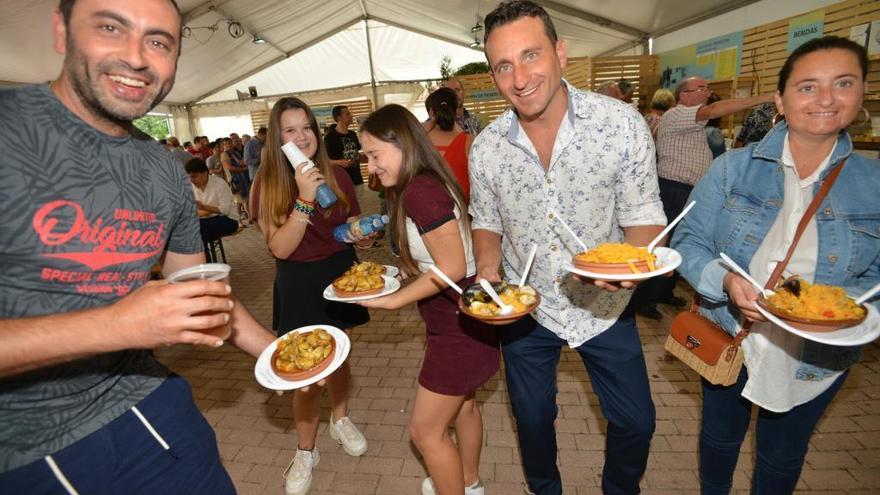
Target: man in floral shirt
[[591, 160]]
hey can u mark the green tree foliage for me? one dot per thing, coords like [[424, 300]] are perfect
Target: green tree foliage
[[473, 68], [445, 67], [154, 125]]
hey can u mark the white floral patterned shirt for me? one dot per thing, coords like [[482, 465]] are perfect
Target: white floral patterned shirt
[[602, 177]]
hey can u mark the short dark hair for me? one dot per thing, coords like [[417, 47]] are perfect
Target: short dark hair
[[262, 130], [823, 43], [625, 87], [508, 12], [196, 166], [337, 111], [66, 7]]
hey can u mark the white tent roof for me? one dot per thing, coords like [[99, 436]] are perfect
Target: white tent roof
[[316, 44]]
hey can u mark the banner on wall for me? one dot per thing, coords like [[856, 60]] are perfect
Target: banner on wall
[[717, 58], [484, 95], [804, 28], [323, 113]]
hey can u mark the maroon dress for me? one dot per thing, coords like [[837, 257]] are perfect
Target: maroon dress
[[462, 353]]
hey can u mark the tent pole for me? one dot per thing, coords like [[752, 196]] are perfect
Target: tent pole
[[372, 68], [189, 121]]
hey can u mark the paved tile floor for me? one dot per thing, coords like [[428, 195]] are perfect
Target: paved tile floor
[[257, 439]]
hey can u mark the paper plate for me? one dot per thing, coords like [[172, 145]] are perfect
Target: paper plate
[[267, 378], [668, 259], [811, 324], [861, 334], [391, 285]]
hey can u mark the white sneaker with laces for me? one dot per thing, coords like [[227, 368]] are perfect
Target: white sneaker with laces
[[347, 434], [298, 474], [475, 489]]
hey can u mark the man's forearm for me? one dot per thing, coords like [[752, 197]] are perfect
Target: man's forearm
[[642, 235], [247, 334], [727, 107], [30, 343], [487, 251]]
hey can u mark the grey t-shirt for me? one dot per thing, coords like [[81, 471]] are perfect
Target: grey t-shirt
[[85, 217]]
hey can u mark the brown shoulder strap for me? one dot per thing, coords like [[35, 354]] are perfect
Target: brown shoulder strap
[[808, 215]]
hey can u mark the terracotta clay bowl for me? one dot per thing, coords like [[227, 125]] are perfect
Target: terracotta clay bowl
[[498, 320], [811, 324], [354, 293], [612, 268], [303, 374]]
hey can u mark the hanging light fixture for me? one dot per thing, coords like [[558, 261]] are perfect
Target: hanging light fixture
[[258, 40], [477, 27]]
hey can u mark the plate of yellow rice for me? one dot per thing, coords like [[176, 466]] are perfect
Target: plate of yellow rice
[[816, 307], [624, 262]]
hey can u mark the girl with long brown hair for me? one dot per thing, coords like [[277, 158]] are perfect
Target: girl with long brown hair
[[430, 220], [299, 234]]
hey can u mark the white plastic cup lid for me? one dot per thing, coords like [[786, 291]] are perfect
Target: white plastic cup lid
[[205, 271]]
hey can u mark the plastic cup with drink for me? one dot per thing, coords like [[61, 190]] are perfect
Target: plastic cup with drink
[[206, 271]]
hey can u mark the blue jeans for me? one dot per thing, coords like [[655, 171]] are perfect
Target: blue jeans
[[124, 457], [616, 367], [782, 438]]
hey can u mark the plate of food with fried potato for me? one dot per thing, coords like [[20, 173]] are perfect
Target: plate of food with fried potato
[[302, 357], [364, 280]]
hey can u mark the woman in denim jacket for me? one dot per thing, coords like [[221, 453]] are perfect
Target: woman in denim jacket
[[748, 206]]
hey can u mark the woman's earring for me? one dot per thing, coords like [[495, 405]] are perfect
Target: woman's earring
[[867, 116], [776, 119]]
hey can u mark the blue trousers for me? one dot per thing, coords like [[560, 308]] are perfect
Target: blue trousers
[[124, 457], [616, 367], [782, 438]]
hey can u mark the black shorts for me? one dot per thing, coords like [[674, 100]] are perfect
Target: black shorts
[[298, 299]]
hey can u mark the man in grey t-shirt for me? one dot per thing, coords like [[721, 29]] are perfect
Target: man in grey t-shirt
[[84, 407]]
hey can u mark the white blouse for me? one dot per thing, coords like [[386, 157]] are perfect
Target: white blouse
[[772, 354], [422, 257]]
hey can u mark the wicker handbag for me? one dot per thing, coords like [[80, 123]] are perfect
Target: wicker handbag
[[707, 348]]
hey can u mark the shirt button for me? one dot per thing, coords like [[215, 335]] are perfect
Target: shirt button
[[550, 216], [553, 248], [549, 180], [832, 258], [827, 212]]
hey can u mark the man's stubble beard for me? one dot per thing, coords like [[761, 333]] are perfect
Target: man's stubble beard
[[102, 106]]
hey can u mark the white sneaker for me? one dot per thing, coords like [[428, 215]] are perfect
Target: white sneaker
[[298, 474], [475, 489], [347, 434]]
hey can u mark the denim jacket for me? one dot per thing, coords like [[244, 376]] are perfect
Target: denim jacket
[[738, 200]]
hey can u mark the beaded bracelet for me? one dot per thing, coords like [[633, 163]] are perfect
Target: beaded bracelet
[[303, 207]]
